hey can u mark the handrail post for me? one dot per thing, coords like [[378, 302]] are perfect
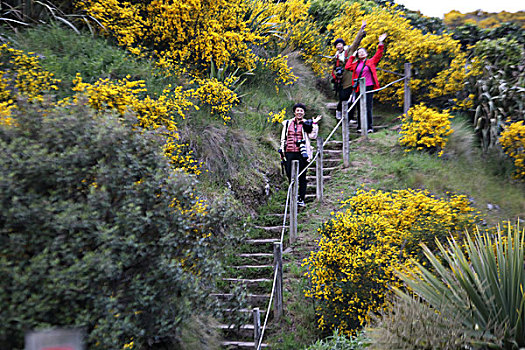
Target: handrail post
[[346, 137], [278, 269], [256, 327], [362, 107], [319, 170], [407, 96], [293, 201]]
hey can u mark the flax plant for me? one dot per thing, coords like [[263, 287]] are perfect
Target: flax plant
[[481, 280]]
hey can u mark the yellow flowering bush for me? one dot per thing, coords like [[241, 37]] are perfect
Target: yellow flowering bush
[[279, 65], [277, 117], [21, 76], [437, 58], [360, 248], [424, 128], [512, 140], [180, 32], [218, 96], [152, 113]]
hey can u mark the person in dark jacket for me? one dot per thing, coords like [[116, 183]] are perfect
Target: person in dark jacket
[[343, 78]]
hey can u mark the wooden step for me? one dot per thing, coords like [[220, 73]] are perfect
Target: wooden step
[[313, 178], [277, 214], [244, 310], [247, 280], [270, 228], [262, 240], [332, 151], [251, 297], [255, 255], [242, 267], [241, 344], [234, 327]]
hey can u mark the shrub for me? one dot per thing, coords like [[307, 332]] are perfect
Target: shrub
[[480, 281], [22, 75], [512, 140], [218, 96], [497, 89], [340, 342], [97, 231], [424, 128], [362, 246], [411, 324]]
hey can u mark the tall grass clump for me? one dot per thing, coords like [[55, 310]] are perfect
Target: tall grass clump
[[478, 280]]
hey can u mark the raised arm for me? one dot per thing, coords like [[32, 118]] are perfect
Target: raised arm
[[360, 35]]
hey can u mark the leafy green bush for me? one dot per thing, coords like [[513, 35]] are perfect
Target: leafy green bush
[[341, 342], [479, 281], [98, 231]]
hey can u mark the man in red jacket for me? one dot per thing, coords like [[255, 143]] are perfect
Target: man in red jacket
[[363, 67]]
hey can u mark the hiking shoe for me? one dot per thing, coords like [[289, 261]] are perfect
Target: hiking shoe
[[300, 203], [371, 131]]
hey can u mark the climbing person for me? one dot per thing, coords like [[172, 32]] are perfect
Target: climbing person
[[295, 145], [341, 77], [364, 67]]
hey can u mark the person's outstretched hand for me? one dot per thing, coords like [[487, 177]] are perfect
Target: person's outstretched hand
[[382, 37], [316, 119], [363, 25]]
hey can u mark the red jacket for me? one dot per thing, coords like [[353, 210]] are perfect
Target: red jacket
[[371, 63]]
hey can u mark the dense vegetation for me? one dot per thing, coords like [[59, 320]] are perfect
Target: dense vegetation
[[130, 127]]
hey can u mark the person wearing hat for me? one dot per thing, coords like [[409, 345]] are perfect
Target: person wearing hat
[[341, 77], [295, 145]]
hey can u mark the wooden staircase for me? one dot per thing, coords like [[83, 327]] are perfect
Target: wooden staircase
[[252, 266]]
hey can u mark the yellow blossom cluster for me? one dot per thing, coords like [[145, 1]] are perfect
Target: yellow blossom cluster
[[424, 128], [277, 117], [436, 57], [180, 32], [512, 140], [279, 64], [218, 96], [152, 113], [362, 246], [21, 76]]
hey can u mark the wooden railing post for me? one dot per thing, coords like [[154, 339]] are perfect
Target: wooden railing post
[[278, 269], [256, 327], [346, 136], [293, 201], [319, 170], [362, 107], [407, 98]]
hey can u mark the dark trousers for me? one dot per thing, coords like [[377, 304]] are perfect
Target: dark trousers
[[369, 102], [344, 95], [290, 156]]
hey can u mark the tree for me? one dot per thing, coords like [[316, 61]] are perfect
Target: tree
[[98, 231]]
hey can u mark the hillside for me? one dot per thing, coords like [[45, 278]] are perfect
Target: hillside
[[142, 175]]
